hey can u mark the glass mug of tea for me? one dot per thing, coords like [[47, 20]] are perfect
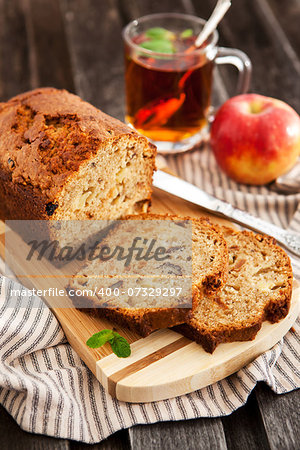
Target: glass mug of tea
[[168, 80]]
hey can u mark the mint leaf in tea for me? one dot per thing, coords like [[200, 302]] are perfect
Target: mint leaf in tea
[[158, 45], [159, 33], [186, 33], [162, 40]]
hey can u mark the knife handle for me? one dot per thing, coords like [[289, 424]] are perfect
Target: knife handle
[[289, 239]]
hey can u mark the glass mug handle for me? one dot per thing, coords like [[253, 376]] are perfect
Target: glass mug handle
[[241, 61]]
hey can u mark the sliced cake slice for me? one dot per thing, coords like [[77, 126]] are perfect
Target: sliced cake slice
[[259, 287], [207, 259]]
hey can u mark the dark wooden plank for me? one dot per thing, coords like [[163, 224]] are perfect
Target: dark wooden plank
[[132, 9], [48, 43], [190, 435], [12, 437], [288, 15], [244, 428], [251, 27], [15, 70], [94, 34], [118, 441], [280, 414]]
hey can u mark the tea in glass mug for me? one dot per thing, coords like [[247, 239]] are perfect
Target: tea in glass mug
[[168, 80]]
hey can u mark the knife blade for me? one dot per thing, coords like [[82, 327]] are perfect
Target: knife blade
[[187, 191]]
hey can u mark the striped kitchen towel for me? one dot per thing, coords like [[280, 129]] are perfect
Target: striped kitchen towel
[[47, 388]]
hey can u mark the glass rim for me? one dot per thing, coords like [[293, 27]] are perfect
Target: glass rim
[[125, 33]]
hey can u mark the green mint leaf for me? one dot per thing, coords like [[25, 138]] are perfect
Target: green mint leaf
[[159, 33], [99, 339], [186, 33], [159, 46], [120, 346]]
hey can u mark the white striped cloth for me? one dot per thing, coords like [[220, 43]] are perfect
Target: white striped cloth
[[47, 388]]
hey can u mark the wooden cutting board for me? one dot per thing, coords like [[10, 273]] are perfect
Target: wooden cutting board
[[164, 364]]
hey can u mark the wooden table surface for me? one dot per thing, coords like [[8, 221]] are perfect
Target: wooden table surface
[[76, 44]]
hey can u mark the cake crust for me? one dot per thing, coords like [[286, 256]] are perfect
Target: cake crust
[[46, 137]]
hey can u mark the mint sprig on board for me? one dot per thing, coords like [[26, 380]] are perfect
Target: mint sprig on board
[[119, 345]]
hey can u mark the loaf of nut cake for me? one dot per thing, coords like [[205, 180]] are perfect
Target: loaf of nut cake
[[62, 158]]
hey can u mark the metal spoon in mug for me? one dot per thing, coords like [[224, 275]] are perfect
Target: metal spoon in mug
[[159, 111], [218, 13]]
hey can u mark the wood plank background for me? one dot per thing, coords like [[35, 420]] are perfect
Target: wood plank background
[[76, 44]]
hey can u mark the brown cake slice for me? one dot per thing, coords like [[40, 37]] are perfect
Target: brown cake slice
[[259, 287], [208, 273]]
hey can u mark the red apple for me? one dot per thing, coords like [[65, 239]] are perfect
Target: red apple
[[255, 139]]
